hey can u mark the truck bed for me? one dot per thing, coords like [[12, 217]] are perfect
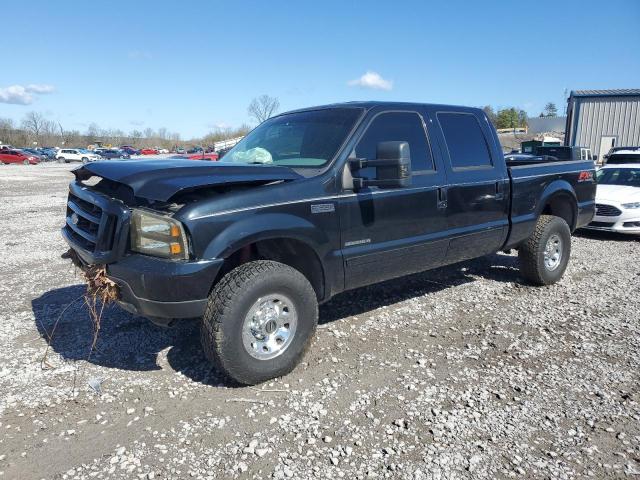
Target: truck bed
[[532, 185]]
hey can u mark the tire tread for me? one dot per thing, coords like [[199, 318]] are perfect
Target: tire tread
[[220, 300]]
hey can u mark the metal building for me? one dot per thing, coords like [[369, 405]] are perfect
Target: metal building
[[601, 119]]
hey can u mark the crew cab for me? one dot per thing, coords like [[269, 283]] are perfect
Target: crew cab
[[312, 203]]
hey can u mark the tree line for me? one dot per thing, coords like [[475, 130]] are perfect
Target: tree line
[[35, 130], [513, 117]]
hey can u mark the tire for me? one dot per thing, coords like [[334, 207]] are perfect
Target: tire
[[61, 160], [26, 162], [237, 301], [545, 255], [85, 160]]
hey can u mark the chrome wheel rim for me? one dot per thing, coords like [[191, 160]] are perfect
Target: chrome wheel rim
[[269, 326], [553, 252]]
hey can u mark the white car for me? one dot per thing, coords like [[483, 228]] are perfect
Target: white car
[[163, 150], [66, 155], [618, 199]]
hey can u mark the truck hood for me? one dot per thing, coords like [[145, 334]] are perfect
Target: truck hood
[[162, 179]]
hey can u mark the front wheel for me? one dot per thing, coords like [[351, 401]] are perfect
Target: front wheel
[[26, 162], [545, 255], [259, 321], [85, 160]]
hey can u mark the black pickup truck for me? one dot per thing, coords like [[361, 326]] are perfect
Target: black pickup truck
[[310, 204]]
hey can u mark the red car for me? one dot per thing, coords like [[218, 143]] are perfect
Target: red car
[[16, 156], [213, 156], [148, 151]]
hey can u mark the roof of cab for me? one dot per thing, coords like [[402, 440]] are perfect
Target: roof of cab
[[368, 105]]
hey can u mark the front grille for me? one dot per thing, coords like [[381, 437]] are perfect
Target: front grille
[[88, 225], [604, 210], [602, 224]]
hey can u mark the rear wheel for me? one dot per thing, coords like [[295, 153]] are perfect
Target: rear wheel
[[259, 321], [545, 255], [26, 162], [85, 160], [62, 160]]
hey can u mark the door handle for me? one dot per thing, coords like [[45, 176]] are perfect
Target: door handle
[[499, 190], [442, 197]]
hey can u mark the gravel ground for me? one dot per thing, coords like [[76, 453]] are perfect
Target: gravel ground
[[458, 373]]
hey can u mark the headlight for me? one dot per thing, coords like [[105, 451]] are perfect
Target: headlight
[[631, 205], [158, 235]]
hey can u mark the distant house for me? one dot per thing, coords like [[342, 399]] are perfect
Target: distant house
[[601, 119]]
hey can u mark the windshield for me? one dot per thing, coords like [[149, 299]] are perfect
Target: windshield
[[629, 177], [298, 140]]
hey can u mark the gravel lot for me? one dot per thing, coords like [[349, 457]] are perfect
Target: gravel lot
[[462, 372]]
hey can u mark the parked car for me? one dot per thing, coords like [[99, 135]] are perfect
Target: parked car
[[195, 150], [198, 156], [624, 155], [312, 203], [129, 150], [223, 151], [163, 150], [111, 153], [16, 156], [613, 150], [618, 199], [148, 151], [66, 155], [180, 150], [48, 152], [34, 152]]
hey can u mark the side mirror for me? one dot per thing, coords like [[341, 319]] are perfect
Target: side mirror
[[392, 164]]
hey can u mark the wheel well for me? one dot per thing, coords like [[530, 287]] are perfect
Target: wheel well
[[294, 253], [562, 206]]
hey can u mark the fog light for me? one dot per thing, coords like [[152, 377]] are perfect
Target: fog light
[[631, 224]]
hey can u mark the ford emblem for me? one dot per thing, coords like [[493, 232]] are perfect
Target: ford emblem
[[74, 218]]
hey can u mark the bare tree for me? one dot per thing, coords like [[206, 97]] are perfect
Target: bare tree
[[34, 124], [263, 107], [8, 131]]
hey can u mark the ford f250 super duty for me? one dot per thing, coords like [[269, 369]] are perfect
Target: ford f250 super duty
[[312, 203]]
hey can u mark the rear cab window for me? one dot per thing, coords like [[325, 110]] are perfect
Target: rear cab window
[[467, 145]]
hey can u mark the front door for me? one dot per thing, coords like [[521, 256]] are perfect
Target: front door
[[606, 144], [392, 232]]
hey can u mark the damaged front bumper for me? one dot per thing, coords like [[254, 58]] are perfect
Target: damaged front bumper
[[158, 288], [163, 288]]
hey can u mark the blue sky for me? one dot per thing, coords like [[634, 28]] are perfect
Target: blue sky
[[193, 65]]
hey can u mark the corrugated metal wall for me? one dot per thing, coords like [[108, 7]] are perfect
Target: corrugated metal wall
[[598, 116]]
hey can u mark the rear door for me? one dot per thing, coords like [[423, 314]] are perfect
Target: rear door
[[478, 191], [391, 232]]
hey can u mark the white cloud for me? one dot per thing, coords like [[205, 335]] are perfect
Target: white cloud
[[23, 95], [39, 88], [372, 80]]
